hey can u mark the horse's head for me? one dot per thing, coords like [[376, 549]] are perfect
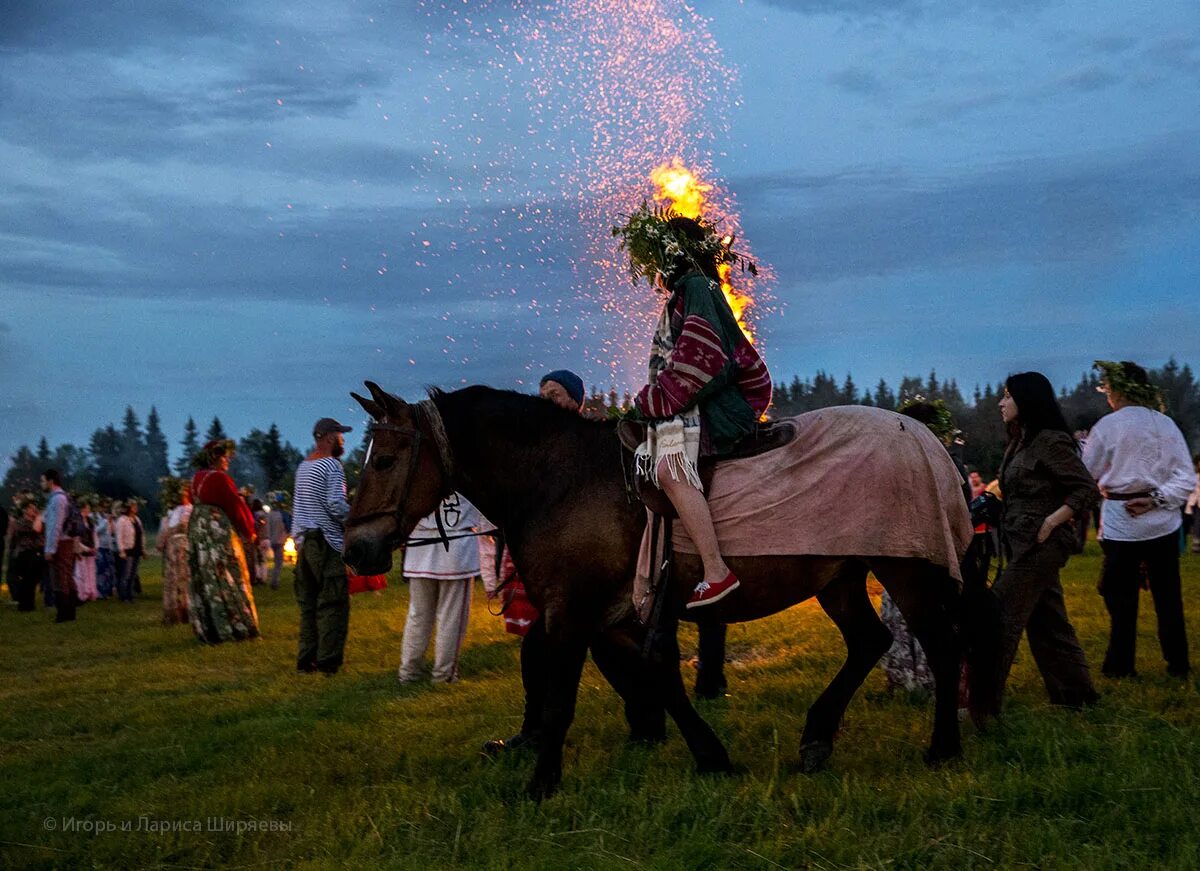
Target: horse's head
[[405, 476]]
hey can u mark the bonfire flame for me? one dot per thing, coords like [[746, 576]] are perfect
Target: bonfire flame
[[678, 186]]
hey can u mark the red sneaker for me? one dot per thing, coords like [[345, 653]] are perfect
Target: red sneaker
[[706, 593]]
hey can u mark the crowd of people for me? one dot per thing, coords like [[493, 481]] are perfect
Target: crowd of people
[[707, 389]]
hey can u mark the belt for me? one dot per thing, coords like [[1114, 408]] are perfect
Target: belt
[[1126, 497]]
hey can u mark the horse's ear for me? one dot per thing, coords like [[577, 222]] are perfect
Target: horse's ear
[[372, 407], [392, 405]]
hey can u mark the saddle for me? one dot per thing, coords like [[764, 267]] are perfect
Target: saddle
[[766, 437]]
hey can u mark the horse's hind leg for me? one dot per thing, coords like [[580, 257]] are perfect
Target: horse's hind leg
[[615, 655], [927, 597], [846, 602]]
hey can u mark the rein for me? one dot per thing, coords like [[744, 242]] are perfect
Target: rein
[[426, 409], [425, 542]]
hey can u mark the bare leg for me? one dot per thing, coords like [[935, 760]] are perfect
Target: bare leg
[[697, 520]]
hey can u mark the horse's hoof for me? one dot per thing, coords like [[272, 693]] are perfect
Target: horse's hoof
[[983, 717], [500, 746], [541, 788], [935, 757], [711, 689], [814, 756], [715, 766]]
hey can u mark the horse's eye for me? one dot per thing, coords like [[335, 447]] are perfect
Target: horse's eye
[[382, 462]]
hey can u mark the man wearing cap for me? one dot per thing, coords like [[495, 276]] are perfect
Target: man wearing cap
[[1139, 458], [319, 510], [562, 387]]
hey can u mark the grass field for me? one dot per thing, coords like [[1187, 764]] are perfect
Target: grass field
[[116, 721]]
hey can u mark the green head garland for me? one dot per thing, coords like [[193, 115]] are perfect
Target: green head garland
[[934, 413], [1130, 380], [658, 241], [214, 450]]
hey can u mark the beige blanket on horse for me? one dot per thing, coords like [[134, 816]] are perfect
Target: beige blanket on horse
[[856, 481]]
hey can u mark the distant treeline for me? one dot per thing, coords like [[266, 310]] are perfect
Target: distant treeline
[[130, 460], [977, 416]]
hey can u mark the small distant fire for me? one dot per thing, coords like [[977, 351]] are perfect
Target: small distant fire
[[678, 187], [289, 552]]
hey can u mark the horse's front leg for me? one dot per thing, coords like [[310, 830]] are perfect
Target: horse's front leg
[[707, 749], [565, 655]]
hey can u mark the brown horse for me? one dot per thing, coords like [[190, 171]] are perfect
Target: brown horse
[[557, 486]]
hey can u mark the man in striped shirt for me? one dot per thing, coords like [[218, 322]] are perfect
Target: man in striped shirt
[[319, 510]]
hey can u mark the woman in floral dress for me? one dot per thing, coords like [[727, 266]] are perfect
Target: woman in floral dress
[[173, 544], [221, 527]]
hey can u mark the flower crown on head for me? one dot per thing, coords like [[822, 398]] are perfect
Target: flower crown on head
[[24, 498], [934, 413], [171, 490], [1121, 378], [655, 246], [216, 448]]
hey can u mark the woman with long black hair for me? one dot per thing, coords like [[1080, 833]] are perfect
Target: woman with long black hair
[[1045, 485]]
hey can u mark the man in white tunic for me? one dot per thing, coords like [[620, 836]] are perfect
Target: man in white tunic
[[439, 589], [1139, 458]]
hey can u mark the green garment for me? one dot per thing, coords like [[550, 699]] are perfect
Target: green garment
[[725, 414], [220, 604]]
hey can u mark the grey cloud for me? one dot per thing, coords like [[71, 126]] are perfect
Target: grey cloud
[[67, 25], [909, 9], [1089, 79], [1115, 43], [954, 108], [1087, 210], [1175, 53], [856, 80]]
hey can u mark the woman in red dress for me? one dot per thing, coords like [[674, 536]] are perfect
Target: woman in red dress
[[220, 604]]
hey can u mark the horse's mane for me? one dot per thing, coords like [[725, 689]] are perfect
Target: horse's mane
[[530, 424]]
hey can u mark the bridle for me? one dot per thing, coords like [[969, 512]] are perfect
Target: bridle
[[429, 411]]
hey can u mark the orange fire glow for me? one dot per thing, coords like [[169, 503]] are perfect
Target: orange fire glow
[[678, 187], [289, 552]]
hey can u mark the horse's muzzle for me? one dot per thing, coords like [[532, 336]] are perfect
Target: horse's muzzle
[[366, 551]]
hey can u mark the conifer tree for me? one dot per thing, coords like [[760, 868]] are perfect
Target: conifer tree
[[190, 445]]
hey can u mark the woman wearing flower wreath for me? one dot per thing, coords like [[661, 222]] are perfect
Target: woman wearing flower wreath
[[172, 543], [221, 527], [707, 387]]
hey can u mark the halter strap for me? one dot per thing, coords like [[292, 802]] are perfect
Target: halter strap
[[437, 430]]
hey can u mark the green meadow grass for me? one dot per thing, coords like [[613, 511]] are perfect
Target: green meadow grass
[[115, 720]]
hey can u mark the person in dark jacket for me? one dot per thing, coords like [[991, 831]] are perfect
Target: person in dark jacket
[[1045, 485]]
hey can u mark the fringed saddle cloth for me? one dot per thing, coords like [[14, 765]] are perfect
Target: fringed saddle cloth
[[851, 481]]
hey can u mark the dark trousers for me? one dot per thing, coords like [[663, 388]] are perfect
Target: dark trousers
[[323, 594], [62, 571], [1120, 585], [127, 567], [1031, 601], [25, 573], [106, 579], [46, 582]]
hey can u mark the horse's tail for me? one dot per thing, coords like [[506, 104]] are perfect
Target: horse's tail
[[981, 631]]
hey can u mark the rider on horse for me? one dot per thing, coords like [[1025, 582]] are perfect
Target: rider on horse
[[708, 387]]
